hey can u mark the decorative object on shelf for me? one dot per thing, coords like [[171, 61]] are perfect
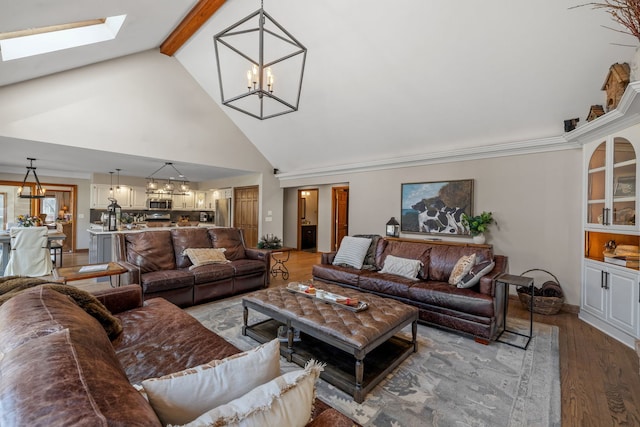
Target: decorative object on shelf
[[31, 193], [393, 227], [236, 51], [169, 187], [594, 112], [28, 221], [547, 299], [614, 85], [269, 241], [114, 213], [627, 14], [570, 124], [436, 207], [478, 225]]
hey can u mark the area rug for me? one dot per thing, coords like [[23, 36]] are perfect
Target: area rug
[[450, 381]]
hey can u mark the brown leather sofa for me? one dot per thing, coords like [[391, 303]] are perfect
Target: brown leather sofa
[[155, 260], [477, 311], [60, 369]]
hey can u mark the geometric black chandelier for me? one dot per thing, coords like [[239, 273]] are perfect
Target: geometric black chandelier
[[250, 54], [25, 191]]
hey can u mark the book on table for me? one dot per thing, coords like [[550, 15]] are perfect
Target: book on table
[[93, 268]]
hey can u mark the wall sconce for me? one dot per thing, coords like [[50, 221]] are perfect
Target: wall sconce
[[393, 228]]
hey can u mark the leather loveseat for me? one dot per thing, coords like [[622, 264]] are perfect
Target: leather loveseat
[[156, 260], [59, 367], [477, 311]]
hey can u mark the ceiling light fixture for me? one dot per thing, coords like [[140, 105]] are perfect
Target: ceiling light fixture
[[250, 54], [118, 184], [30, 193], [169, 187]]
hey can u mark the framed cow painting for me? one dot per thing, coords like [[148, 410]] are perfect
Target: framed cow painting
[[436, 207]]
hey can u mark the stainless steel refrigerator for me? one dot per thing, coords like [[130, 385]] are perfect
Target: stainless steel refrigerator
[[223, 212]]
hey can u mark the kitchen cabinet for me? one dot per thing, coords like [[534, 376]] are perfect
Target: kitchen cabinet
[[138, 198], [99, 247], [308, 237], [100, 194], [204, 200], [185, 202], [610, 292]]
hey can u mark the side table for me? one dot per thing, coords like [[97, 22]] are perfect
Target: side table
[[278, 266], [510, 279]]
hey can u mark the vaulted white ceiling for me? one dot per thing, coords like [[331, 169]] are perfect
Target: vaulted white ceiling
[[384, 80]]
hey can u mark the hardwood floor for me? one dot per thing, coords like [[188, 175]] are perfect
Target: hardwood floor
[[600, 382]]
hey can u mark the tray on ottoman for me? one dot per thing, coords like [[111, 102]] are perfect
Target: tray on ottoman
[[335, 335]]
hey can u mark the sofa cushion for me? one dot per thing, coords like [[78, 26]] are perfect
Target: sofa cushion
[[404, 267], [163, 280], [230, 239], [385, 283], [181, 397], [248, 266], [151, 250], [211, 273], [443, 258], [442, 294], [337, 274], [184, 238], [160, 338], [477, 272], [284, 401], [352, 251], [409, 250]]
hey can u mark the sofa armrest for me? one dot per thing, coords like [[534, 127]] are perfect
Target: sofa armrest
[[120, 299], [328, 257], [487, 283], [259, 254]]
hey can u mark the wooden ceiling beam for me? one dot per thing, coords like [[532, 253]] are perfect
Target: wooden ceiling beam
[[200, 13]]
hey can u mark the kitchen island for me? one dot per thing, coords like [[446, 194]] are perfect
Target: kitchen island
[[101, 242]]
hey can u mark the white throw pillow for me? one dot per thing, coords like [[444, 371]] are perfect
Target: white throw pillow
[[476, 273], [204, 256], [284, 401], [462, 267], [183, 396], [404, 267], [352, 251]]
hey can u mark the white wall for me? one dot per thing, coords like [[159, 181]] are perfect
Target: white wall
[[536, 200]]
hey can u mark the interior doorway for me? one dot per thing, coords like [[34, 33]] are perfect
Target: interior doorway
[[59, 206], [339, 215], [308, 220], [245, 213]]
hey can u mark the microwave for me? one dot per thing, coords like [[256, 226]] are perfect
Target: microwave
[[159, 204]]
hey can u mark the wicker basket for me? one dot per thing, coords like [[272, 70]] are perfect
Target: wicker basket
[[543, 304]]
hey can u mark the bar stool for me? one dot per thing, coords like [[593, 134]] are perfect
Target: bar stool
[[55, 248]]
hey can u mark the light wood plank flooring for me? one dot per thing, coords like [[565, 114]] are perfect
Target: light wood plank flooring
[[599, 376]]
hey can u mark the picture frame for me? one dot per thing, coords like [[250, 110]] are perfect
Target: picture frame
[[436, 207], [624, 186]]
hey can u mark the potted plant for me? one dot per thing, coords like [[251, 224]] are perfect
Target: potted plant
[[478, 225]]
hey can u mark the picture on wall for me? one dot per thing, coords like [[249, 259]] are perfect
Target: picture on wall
[[436, 207]]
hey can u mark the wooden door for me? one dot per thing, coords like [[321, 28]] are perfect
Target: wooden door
[[340, 215], [245, 213]]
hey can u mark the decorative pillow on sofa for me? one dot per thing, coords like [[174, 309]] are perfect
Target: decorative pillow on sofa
[[204, 256], [475, 274], [369, 262], [285, 401], [352, 251], [404, 267], [462, 267], [183, 396]]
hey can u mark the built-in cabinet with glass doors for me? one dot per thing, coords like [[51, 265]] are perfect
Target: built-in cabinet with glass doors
[[611, 285]]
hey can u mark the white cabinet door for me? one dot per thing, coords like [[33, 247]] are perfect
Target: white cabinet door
[[593, 291], [100, 194], [123, 195], [138, 198], [185, 202], [201, 200], [622, 299]]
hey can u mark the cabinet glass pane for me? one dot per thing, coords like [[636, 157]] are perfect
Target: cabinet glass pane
[[598, 157], [624, 183]]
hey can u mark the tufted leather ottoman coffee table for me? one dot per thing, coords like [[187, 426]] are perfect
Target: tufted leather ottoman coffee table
[[336, 335]]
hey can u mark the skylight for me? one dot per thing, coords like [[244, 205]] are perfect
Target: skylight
[[36, 41]]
